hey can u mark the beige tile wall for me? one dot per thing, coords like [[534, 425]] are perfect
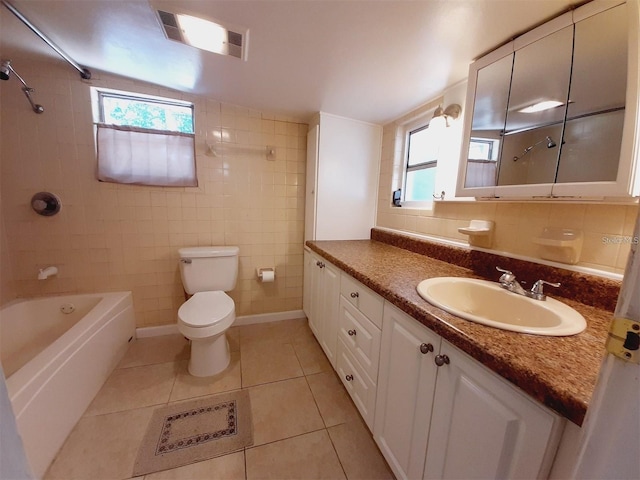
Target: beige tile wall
[[606, 228], [121, 237]]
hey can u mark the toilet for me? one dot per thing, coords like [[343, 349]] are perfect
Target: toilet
[[207, 273]]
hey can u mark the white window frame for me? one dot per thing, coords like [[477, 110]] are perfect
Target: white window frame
[[421, 121], [97, 94]]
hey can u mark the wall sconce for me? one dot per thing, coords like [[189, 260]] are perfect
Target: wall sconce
[[441, 117]]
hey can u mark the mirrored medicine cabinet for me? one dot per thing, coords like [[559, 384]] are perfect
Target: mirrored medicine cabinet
[[554, 113]]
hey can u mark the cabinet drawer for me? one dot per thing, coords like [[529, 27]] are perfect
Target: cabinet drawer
[[361, 337], [357, 383], [363, 298]]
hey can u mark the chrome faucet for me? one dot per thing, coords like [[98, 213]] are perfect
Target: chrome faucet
[[508, 282]]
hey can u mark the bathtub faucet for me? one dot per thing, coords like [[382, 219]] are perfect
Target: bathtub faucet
[[43, 274]]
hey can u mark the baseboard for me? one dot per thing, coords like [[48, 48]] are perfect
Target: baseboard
[[269, 317], [144, 332]]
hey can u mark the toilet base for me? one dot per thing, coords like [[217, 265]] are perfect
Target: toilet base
[[209, 356]]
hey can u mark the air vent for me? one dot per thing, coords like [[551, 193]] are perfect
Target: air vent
[[204, 34], [170, 26]]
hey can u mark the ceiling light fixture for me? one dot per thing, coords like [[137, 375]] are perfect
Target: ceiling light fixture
[[541, 106], [441, 117], [205, 34]]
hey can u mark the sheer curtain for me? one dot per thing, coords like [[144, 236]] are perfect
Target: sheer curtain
[[146, 157]]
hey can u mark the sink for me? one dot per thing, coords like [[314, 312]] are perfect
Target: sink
[[487, 303]]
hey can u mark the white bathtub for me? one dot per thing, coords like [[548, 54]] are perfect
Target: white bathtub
[[55, 362]]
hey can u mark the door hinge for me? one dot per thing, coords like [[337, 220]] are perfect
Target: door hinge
[[624, 339]]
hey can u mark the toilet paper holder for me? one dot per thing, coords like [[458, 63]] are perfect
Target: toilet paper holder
[[267, 274]]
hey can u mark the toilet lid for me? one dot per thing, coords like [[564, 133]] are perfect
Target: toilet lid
[[205, 309]]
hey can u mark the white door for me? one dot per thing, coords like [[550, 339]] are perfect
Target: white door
[[483, 427], [406, 381]]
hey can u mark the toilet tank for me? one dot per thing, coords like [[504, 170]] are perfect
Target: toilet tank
[[206, 269]]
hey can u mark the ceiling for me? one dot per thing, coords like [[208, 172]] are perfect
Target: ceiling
[[368, 60]]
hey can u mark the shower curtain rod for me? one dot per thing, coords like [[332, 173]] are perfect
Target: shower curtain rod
[[84, 72]]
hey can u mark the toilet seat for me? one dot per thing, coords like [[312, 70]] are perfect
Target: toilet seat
[[207, 309]]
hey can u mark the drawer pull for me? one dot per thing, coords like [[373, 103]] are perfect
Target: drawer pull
[[355, 294], [441, 360], [351, 333], [426, 348], [349, 378]]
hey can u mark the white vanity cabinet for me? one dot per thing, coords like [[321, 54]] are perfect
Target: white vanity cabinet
[[406, 382], [321, 300], [440, 414], [359, 333]]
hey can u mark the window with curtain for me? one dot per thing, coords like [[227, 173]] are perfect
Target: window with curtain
[[144, 140]]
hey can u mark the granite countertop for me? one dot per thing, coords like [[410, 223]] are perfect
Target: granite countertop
[[560, 372]]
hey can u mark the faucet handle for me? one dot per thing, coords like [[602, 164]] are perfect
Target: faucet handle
[[506, 276], [538, 289]]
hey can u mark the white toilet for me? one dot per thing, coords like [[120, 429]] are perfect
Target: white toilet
[[208, 272]]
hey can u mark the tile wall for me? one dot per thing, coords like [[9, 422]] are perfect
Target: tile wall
[[607, 228], [121, 237]]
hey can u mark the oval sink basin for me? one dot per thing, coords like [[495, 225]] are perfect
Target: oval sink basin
[[487, 303]]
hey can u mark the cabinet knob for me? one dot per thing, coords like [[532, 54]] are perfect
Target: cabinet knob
[[426, 348], [349, 378], [317, 263], [355, 294], [321, 264], [441, 360], [351, 333]]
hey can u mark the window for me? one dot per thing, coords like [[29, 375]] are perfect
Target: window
[[144, 140], [482, 162], [421, 153]]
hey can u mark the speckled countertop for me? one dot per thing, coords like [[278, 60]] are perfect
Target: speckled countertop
[[560, 372]]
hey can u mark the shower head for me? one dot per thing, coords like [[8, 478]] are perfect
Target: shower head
[[550, 142], [5, 69]]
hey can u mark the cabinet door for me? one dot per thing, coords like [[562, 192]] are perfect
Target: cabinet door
[[311, 184], [483, 427], [317, 296], [406, 381], [307, 288], [330, 310]]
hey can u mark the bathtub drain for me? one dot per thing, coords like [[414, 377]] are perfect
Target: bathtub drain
[[68, 308]]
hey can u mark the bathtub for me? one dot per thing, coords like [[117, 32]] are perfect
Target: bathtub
[[56, 353]]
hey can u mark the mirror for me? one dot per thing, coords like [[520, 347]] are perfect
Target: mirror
[[489, 115], [514, 140], [595, 117], [541, 73]]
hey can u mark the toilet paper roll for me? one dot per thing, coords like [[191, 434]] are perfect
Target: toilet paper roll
[[267, 276]]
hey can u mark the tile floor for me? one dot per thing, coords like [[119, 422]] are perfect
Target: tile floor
[[305, 425]]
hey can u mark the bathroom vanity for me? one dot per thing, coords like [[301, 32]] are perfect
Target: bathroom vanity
[[445, 397]]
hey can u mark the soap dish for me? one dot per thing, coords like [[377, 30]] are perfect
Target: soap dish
[[480, 233], [562, 245]]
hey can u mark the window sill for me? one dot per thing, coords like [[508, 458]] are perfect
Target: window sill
[[428, 205]]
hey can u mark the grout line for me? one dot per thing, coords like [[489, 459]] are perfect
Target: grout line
[[252, 447], [337, 455]]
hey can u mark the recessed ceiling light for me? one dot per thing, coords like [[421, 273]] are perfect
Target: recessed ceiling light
[[541, 106], [205, 34]]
